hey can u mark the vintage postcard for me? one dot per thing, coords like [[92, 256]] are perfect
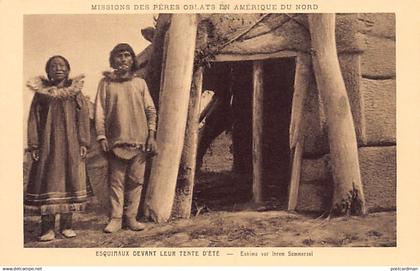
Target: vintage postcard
[[210, 133]]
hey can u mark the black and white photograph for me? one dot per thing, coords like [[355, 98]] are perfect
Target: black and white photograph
[[210, 130]]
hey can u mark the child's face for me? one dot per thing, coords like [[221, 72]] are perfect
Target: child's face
[[58, 70], [123, 61]]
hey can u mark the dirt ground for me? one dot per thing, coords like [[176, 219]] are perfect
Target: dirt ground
[[223, 217], [231, 229]]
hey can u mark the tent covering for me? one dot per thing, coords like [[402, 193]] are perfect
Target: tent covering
[[248, 34]]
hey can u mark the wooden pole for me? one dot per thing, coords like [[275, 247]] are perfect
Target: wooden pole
[[257, 130], [297, 134], [162, 74], [154, 66], [348, 197], [172, 116], [186, 175]]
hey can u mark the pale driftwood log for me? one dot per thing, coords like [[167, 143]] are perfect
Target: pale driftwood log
[[297, 132], [257, 130], [186, 174], [348, 197], [153, 68], [172, 116]]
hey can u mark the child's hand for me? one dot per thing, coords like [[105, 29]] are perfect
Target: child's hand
[[35, 155], [104, 145], [83, 152]]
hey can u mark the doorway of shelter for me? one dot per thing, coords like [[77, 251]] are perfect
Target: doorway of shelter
[[225, 179]]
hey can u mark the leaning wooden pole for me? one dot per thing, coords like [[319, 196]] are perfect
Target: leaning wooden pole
[[348, 197], [186, 175], [297, 134], [257, 131], [172, 116], [187, 169]]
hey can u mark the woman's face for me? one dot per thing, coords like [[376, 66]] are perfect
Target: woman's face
[[123, 61], [58, 70]]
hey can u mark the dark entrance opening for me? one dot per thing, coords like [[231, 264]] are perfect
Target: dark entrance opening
[[279, 75], [232, 83]]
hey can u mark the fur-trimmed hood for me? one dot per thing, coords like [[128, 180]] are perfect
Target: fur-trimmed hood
[[41, 85]]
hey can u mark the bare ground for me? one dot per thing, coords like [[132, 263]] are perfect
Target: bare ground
[[223, 217], [231, 229]]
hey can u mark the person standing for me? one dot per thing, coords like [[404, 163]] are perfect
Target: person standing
[[125, 121], [58, 139]]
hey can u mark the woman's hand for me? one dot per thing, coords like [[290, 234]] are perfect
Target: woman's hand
[[83, 152]]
